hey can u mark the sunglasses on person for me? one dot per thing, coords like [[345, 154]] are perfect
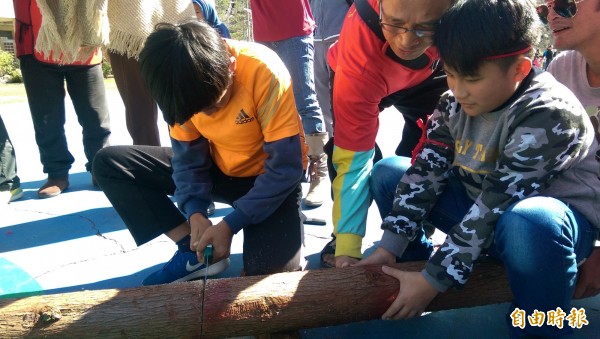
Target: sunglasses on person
[[564, 8]]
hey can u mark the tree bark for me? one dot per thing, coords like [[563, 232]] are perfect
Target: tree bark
[[234, 306]]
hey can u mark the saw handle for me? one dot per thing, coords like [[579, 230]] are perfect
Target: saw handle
[[208, 253]]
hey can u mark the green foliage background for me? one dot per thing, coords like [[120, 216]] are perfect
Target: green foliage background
[[8, 63], [236, 15]]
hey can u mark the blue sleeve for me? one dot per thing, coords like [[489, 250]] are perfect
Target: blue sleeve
[[351, 199], [283, 172], [191, 174]]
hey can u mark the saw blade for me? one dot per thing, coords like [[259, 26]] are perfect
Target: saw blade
[[208, 250]]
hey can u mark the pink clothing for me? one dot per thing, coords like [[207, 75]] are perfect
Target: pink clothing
[[275, 20]]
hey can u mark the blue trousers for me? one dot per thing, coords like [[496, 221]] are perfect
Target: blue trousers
[[540, 240], [298, 55]]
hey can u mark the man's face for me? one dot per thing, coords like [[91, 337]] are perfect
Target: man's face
[[412, 15], [579, 32]]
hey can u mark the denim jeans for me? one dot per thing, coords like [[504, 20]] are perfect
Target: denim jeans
[[297, 54], [8, 161], [540, 240], [323, 81], [45, 87]]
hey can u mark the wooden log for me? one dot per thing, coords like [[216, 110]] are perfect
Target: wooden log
[[233, 306]]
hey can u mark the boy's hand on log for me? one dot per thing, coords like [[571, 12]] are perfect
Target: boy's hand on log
[[381, 256], [588, 280], [413, 297], [219, 236]]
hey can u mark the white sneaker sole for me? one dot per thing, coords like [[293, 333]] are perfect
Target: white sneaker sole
[[16, 196], [213, 269]]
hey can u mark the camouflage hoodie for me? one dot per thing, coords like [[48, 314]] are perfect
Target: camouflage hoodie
[[538, 143]]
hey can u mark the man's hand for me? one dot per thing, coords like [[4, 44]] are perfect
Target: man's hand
[[344, 261], [220, 237], [588, 280], [414, 295], [198, 224], [381, 256]]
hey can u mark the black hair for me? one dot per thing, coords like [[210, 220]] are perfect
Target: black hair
[[185, 67], [473, 30]]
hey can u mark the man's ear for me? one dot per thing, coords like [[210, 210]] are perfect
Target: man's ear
[[522, 67]]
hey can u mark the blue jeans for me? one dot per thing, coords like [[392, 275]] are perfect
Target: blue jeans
[[323, 79], [540, 240], [298, 54]]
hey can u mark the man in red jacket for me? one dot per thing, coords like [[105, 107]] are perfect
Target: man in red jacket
[[384, 57]]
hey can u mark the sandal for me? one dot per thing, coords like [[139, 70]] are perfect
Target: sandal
[[328, 249]]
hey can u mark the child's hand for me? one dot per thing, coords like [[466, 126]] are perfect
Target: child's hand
[[414, 295], [588, 280], [198, 224], [381, 256], [220, 237]]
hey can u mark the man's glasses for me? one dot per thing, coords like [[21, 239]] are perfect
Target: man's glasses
[[564, 8], [394, 29]]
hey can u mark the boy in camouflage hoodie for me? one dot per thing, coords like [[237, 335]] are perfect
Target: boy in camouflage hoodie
[[506, 168]]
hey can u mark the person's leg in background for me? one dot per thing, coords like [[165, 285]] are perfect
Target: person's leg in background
[[141, 111], [541, 241], [298, 56], [44, 84], [86, 88], [322, 82], [10, 184]]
